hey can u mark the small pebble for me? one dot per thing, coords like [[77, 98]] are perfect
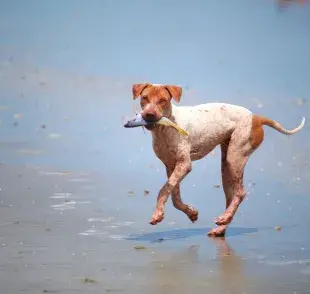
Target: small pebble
[[139, 247], [88, 281]]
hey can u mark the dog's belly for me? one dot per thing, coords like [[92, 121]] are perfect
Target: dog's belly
[[204, 137], [197, 154], [202, 145]]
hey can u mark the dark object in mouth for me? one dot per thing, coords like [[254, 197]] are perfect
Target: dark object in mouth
[[137, 121]]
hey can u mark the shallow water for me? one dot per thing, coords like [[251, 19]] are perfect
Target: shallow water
[[78, 189], [55, 233]]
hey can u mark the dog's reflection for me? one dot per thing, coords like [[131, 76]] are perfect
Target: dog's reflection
[[188, 271], [231, 270]]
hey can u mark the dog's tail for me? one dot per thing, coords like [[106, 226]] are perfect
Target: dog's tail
[[275, 125]]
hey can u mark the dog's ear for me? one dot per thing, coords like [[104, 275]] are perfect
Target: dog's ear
[[137, 89], [175, 92]]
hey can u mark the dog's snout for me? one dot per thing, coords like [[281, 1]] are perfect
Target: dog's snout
[[150, 116]]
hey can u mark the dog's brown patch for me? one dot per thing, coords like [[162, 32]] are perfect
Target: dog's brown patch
[[257, 131]]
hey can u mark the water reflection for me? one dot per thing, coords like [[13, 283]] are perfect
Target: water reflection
[[231, 268], [183, 271]]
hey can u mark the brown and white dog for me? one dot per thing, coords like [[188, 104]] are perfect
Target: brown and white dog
[[235, 128]]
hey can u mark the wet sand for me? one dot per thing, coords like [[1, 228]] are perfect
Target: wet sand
[[60, 228]]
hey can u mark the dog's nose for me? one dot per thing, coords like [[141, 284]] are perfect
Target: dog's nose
[[150, 116]]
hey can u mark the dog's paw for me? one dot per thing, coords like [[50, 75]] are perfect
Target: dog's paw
[[192, 213], [224, 219], [217, 232], [157, 217]]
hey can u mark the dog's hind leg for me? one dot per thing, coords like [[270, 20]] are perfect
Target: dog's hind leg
[[245, 139], [227, 187]]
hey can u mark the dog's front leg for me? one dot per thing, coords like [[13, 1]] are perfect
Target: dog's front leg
[[181, 169], [190, 211]]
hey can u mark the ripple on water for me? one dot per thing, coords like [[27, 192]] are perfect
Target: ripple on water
[[285, 262], [64, 206], [64, 173], [117, 237], [60, 195], [100, 219], [123, 224], [79, 180], [93, 232], [68, 205]]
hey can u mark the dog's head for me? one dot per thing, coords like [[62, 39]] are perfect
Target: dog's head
[[156, 99]]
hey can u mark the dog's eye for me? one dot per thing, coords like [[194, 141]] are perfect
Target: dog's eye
[[144, 99], [162, 101]]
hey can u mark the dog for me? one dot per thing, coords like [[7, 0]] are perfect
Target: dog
[[236, 129]]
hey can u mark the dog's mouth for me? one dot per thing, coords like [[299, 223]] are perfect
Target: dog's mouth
[[139, 121], [151, 124], [150, 127]]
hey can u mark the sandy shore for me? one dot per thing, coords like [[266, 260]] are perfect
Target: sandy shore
[[59, 233]]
